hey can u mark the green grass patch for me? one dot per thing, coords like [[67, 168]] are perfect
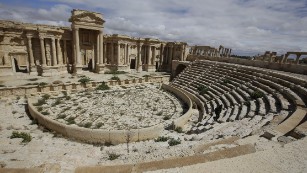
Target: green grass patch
[[202, 89], [84, 80], [115, 78], [173, 142], [113, 156], [33, 79], [25, 136], [98, 125], [161, 139], [71, 120], [103, 86], [257, 94]]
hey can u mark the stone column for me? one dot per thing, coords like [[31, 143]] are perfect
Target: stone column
[[118, 53], [77, 47], [284, 59], [297, 61], [139, 57], [31, 57], [153, 58], [127, 55], [43, 51], [65, 52], [54, 60], [112, 53], [101, 48], [98, 48], [171, 54], [162, 54], [181, 53], [149, 56], [167, 55], [59, 52], [104, 53]]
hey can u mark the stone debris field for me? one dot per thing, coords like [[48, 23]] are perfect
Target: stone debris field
[[123, 108]]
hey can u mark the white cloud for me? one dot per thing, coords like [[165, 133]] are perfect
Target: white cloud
[[246, 26]]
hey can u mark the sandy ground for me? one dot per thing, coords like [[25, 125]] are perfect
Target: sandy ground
[[279, 159]]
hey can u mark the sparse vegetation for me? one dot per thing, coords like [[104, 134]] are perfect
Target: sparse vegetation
[[257, 94], [33, 79], [98, 125], [64, 93], [178, 129], [39, 109], [87, 125], [103, 86], [166, 117], [25, 136], [115, 78], [57, 102], [226, 81], [173, 142], [46, 96], [61, 116], [45, 113], [71, 120], [160, 113], [40, 102], [202, 89], [161, 139], [42, 84], [84, 79], [113, 156]]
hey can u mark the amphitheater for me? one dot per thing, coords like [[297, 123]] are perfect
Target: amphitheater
[[196, 110]]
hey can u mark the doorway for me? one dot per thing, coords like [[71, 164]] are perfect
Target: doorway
[[132, 64]]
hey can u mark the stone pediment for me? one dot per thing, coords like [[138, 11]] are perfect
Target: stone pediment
[[87, 17]]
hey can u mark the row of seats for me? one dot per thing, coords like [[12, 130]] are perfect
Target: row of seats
[[233, 86]]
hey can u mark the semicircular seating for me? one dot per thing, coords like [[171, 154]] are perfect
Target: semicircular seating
[[235, 87]]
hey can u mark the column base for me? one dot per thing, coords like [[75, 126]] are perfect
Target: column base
[[78, 69], [150, 68], [140, 69], [53, 70], [33, 71], [99, 68]]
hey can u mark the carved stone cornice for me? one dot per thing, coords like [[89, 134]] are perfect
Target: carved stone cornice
[[78, 18]]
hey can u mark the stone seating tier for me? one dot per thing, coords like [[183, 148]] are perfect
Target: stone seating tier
[[280, 94]]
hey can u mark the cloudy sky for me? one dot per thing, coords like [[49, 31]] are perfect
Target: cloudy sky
[[248, 27]]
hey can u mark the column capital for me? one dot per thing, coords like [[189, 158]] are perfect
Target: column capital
[[29, 36], [52, 39], [41, 37], [58, 37]]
